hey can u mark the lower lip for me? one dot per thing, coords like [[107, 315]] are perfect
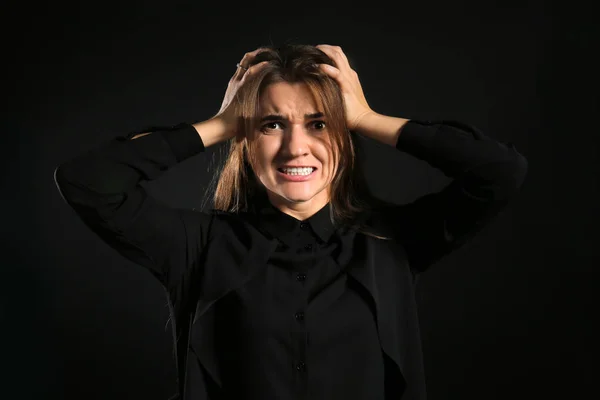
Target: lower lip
[[296, 178]]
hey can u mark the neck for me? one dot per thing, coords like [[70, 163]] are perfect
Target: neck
[[299, 210]]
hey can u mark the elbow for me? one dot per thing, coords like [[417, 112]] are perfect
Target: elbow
[[498, 181], [61, 177], [61, 182], [515, 169], [58, 176], [67, 184], [520, 167], [510, 178]]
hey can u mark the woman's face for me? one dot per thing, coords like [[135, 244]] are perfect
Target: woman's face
[[292, 133]]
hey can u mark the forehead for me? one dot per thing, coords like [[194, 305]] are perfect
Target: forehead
[[284, 97]]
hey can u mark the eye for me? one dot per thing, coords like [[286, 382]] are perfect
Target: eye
[[269, 126], [321, 124]]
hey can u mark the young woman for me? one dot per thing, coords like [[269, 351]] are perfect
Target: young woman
[[297, 284]]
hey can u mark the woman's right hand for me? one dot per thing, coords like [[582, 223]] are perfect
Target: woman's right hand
[[227, 112]]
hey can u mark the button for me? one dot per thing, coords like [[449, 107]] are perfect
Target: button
[[301, 277], [308, 247], [301, 366], [299, 316], [304, 225]]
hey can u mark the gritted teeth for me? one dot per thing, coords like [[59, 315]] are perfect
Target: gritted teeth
[[283, 169], [297, 171]]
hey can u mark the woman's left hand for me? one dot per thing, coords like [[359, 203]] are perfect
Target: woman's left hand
[[355, 102]]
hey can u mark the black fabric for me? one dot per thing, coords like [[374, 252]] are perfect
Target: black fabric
[[291, 332], [241, 278]]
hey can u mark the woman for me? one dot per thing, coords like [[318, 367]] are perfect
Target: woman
[[297, 284]]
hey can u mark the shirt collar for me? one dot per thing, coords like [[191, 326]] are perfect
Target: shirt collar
[[285, 227]]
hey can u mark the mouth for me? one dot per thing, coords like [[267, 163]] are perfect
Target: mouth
[[296, 174], [296, 170]]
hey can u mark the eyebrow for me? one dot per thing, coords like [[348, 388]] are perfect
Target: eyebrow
[[277, 117]]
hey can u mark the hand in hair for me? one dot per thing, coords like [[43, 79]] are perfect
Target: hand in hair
[[242, 74], [355, 102]]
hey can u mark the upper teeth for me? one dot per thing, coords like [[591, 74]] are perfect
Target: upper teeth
[[298, 171]]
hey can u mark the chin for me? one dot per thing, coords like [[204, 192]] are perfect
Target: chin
[[299, 196], [295, 193], [296, 198]]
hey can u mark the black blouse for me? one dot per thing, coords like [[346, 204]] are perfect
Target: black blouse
[[292, 332], [299, 329]]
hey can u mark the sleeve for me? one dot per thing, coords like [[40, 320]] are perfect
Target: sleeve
[[103, 188], [486, 176]]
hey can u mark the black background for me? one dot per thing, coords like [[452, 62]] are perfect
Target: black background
[[506, 317]]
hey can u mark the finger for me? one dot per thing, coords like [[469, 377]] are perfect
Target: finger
[[330, 70], [253, 70], [335, 74], [338, 51], [336, 54], [239, 73], [246, 61], [248, 57]]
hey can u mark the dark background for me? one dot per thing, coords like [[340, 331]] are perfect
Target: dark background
[[507, 317]]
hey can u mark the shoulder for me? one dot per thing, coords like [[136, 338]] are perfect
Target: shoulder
[[233, 223], [371, 220], [226, 218]]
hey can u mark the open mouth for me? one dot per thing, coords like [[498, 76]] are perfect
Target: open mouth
[[304, 171], [296, 174]]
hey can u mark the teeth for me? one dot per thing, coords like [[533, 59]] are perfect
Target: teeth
[[297, 171]]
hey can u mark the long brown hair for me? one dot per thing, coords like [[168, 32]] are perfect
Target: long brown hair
[[237, 184]]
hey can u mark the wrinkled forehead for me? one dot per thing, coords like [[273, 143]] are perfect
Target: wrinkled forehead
[[289, 100]]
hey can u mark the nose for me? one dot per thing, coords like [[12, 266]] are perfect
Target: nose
[[296, 141]]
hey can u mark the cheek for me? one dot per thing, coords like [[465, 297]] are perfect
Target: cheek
[[327, 157], [265, 152]]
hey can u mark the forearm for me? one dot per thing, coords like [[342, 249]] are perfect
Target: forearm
[[120, 163], [456, 148], [211, 131], [486, 175], [383, 128]]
